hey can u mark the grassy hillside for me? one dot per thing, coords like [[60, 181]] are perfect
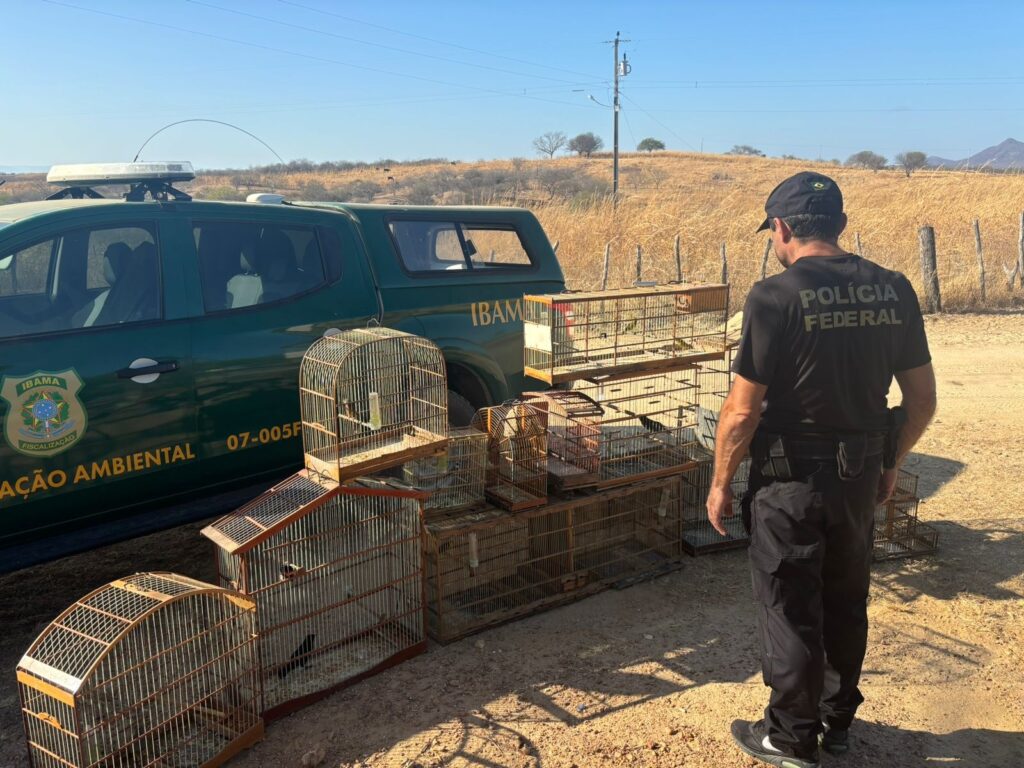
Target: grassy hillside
[[705, 199]]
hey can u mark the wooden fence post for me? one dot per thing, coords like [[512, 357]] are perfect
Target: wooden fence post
[[981, 258], [764, 259], [607, 265], [929, 270], [860, 250], [725, 266], [555, 246], [639, 264], [679, 260]]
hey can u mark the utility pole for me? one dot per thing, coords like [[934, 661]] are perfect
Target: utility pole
[[622, 71]]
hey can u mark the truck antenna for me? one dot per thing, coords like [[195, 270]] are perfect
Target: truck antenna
[[206, 120]]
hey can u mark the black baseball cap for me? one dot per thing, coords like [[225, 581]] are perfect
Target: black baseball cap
[[806, 192]]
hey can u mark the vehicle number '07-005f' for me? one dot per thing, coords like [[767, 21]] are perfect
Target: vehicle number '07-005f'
[[263, 436]]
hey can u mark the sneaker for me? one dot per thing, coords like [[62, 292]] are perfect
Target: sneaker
[[835, 741], [753, 739]]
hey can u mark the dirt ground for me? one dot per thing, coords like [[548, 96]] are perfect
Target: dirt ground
[[653, 675]]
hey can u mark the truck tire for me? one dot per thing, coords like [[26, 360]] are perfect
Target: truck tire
[[460, 410]]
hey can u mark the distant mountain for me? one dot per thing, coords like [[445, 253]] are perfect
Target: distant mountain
[[1008, 154], [23, 168]]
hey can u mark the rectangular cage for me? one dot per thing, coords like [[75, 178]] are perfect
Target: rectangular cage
[[517, 449], [698, 535], [713, 379], [570, 336], [647, 425], [573, 424], [154, 669], [336, 576], [457, 478], [486, 567], [898, 531], [371, 399]]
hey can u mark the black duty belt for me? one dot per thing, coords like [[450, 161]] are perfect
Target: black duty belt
[[824, 448]]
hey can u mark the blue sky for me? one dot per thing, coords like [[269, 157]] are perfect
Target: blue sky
[[89, 80]]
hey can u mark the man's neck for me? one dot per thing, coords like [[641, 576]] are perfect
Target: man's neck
[[812, 248]]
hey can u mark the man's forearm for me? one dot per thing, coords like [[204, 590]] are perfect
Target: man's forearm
[[919, 416], [732, 439]]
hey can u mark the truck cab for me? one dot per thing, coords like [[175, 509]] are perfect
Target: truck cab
[[150, 345]]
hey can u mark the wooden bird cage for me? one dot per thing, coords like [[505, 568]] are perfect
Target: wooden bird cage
[[517, 476], [698, 535], [898, 531], [371, 399], [456, 479], [151, 670], [571, 336], [647, 426], [573, 424], [336, 575], [486, 567]]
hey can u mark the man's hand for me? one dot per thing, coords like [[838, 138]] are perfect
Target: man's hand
[[886, 485], [719, 506]]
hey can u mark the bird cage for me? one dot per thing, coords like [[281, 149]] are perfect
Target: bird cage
[[517, 475], [573, 424], [486, 567], [336, 575], [371, 399], [570, 336], [698, 535], [713, 379], [898, 531], [456, 479], [648, 425], [154, 669]]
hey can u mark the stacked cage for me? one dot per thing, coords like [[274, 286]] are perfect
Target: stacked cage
[[517, 449], [572, 336], [898, 531], [336, 574], [489, 566], [371, 399], [154, 669], [455, 480]]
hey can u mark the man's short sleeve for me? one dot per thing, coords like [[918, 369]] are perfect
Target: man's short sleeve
[[757, 354], [914, 352]]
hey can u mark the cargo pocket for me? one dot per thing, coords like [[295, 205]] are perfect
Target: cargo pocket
[[768, 594], [787, 520]]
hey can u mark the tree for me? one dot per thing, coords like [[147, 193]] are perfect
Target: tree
[[585, 144], [867, 159], [549, 143], [745, 149], [650, 145], [911, 161]]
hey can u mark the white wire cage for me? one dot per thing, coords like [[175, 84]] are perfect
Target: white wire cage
[[455, 480], [336, 574], [517, 473], [570, 336], [371, 399], [155, 669]]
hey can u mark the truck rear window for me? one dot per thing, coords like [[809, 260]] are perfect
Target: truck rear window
[[442, 246]]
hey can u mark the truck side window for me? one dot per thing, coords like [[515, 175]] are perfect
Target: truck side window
[[430, 246], [86, 278]]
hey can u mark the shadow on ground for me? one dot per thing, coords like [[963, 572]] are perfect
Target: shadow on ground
[[876, 744]]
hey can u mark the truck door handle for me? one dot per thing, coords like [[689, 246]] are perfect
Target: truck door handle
[[148, 370]]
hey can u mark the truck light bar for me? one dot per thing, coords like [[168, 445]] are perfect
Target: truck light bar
[[96, 174]]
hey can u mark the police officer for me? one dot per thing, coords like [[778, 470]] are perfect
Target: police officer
[[821, 343]]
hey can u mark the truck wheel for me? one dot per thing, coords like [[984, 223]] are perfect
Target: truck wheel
[[460, 410]]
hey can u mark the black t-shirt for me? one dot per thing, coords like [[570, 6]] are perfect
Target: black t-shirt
[[826, 337]]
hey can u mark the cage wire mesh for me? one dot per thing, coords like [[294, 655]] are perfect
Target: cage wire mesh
[[151, 670], [698, 535], [569, 336], [647, 427], [371, 399], [486, 567], [573, 424], [898, 531], [456, 479], [517, 476], [337, 582]]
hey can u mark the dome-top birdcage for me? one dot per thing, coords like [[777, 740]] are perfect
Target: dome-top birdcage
[[371, 399], [153, 669], [517, 448]]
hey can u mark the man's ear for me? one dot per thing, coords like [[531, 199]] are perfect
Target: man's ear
[[784, 230]]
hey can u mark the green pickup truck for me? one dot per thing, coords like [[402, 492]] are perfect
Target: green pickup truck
[[149, 348]]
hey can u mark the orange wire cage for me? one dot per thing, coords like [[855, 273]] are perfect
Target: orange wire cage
[[517, 448], [455, 480]]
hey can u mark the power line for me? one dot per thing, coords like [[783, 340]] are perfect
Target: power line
[[375, 45], [432, 39], [311, 57], [656, 120]]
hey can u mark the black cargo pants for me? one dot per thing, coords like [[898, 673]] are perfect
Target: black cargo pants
[[810, 556]]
